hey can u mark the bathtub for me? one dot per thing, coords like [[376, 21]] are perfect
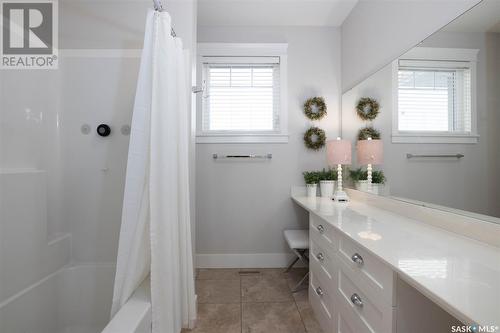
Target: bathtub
[[135, 314], [75, 299]]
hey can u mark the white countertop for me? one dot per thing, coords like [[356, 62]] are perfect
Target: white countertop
[[459, 274]]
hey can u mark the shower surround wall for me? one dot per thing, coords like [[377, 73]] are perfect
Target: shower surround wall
[[95, 166], [34, 239], [61, 190], [103, 42]]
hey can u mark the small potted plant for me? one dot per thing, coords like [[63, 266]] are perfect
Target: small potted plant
[[378, 181], [356, 175], [360, 179], [311, 178], [327, 182]]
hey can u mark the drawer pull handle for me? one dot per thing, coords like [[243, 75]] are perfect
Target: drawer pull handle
[[357, 259], [356, 300], [320, 257], [319, 291], [320, 228]]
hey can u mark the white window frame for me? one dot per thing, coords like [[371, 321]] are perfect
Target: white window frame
[[249, 50], [438, 54]]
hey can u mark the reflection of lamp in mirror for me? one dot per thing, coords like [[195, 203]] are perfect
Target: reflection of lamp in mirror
[[338, 153], [370, 152]]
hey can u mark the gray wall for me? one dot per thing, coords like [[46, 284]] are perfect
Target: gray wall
[[242, 208], [377, 31], [469, 183]]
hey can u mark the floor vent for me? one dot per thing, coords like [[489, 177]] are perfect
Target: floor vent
[[249, 273]]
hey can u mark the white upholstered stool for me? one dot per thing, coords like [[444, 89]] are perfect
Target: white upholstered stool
[[298, 241]]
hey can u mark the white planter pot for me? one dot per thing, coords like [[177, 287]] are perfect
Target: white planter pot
[[362, 185], [378, 189], [312, 190], [326, 188]]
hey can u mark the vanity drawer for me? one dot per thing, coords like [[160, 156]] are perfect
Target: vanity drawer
[[368, 270], [323, 264], [324, 291], [344, 325], [324, 230], [363, 313], [321, 303]]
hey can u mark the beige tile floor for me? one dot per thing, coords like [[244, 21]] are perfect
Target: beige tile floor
[[243, 301]]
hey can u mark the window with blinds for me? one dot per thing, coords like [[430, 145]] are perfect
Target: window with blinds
[[434, 96], [242, 95]]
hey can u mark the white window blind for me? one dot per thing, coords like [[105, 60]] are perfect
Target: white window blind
[[241, 95], [434, 96]]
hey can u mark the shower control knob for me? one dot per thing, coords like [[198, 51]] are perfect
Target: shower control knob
[[125, 130], [85, 129], [103, 130]]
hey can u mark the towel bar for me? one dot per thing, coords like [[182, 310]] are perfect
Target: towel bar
[[266, 156], [408, 155]]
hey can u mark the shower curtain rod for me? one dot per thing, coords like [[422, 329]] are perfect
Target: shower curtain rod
[[158, 6]]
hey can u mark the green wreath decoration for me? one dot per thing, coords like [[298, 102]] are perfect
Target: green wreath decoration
[[367, 108], [320, 111], [314, 138], [368, 132]]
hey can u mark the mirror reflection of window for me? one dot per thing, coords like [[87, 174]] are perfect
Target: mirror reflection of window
[[440, 117], [434, 97], [434, 92]]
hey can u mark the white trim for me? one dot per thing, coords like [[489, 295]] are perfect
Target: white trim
[[100, 53], [441, 54], [277, 50], [242, 49], [240, 60], [243, 260], [438, 54], [426, 138], [242, 138], [284, 94], [394, 95], [433, 64]]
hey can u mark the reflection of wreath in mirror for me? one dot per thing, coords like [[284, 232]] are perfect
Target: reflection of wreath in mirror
[[314, 138], [367, 108], [315, 108], [368, 132]]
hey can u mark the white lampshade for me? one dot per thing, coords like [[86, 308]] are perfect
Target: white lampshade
[[338, 152], [370, 152]]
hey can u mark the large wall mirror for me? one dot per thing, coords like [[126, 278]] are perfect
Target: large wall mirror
[[439, 118]]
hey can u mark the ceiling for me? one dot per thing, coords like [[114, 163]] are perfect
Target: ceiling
[[485, 17], [273, 12]]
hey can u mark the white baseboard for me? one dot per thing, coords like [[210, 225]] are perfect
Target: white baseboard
[[255, 260]]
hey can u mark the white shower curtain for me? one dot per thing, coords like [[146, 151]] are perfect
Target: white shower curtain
[[155, 236]]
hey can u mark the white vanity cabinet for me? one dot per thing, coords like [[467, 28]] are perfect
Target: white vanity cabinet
[[361, 250], [350, 290]]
